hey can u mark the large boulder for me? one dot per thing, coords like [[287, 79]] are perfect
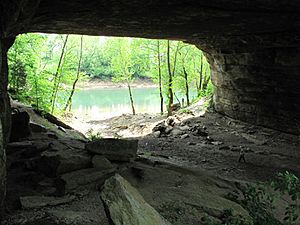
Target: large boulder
[[77, 179], [126, 206], [19, 125], [60, 159], [114, 149]]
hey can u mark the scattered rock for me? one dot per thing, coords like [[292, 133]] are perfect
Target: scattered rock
[[184, 136], [156, 134], [170, 121], [176, 132], [168, 129], [31, 202], [126, 206], [114, 149], [216, 142], [184, 128], [159, 127], [101, 163], [37, 128], [200, 132]]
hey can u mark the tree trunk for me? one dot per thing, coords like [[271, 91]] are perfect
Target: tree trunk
[[205, 81], [186, 86], [5, 114], [56, 76], [160, 79], [69, 101], [131, 98], [170, 88], [200, 76]]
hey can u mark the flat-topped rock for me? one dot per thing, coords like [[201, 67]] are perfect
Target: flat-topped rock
[[114, 149]]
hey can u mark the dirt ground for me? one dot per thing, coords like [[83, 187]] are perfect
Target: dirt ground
[[267, 151]]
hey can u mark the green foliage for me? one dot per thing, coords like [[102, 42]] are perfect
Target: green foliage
[[34, 59], [93, 136], [260, 200], [288, 184]]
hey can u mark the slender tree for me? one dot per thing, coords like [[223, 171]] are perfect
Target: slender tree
[[160, 78], [122, 65], [170, 87], [171, 73], [57, 75], [199, 86], [69, 101], [186, 86]]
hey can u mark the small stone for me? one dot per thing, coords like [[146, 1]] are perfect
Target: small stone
[[184, 136], [159, 127], [217, 142], [170, 121], [176, 132], [168, 129], [201, 132], [184, 128], [156, 134]]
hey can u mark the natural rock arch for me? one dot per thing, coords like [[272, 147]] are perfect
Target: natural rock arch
[[253, 47]]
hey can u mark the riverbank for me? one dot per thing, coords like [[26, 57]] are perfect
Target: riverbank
[[96, 83]]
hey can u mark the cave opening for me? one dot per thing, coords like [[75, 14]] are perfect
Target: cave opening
[[185, 169], [88, 79]]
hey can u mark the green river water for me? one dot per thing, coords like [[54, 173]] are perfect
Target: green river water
[[100, 103]]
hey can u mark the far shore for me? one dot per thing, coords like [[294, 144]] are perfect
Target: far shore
[[97, 84]]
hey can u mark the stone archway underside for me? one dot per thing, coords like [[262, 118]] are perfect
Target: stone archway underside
[[253, 46]]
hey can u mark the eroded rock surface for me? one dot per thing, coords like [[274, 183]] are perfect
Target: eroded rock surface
[[126, 206]]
